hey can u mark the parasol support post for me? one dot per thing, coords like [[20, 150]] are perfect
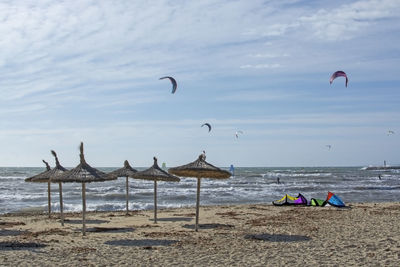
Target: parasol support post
[[61, 204], [155, 201], [127, 196], [49, 198], [83, 209], [197, 205]]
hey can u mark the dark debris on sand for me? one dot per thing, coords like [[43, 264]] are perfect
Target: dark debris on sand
[[14, 245]]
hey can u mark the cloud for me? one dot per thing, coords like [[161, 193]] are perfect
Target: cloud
[[350, 20]]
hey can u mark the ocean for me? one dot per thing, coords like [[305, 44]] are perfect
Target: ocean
[[248, 186]]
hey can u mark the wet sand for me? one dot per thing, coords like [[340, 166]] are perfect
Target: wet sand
[[366, 234]]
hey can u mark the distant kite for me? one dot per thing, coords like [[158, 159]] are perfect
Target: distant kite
[[174, 84], [237, 133], [329, 147], [338, 73], [390, 132], [208, 125]]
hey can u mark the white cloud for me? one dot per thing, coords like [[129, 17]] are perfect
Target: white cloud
[[350, 20]]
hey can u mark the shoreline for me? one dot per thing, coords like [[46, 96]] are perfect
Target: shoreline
[[246, 234], [36, 211], [42, 210]]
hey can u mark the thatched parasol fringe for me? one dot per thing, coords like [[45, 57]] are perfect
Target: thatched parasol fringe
[[58, 170], [55, 155], [43, 177], [126, 164], [155, 164], [126, 171], [47, 165], [155, 173], [199, 169], [83, 174], [82, 156], [47, 177]]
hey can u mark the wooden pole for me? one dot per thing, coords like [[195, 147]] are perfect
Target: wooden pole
[[127, 195], [61, 204], [197, 204], [83, 209], [155, 201], [48, 197]]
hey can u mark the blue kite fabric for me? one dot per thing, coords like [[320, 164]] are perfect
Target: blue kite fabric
[[334, 200]]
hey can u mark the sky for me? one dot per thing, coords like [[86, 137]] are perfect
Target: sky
[[88, 71]]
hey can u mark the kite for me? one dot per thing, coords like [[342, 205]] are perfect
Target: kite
[[237, 133], [173, 81], [338, 73], [208, 125], [329, 147], [390, 132]]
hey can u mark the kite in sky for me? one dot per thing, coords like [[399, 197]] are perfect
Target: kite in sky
[[329, 147], [208, 125], [173, 81], [390, 132], [338, 73], [237, 133]]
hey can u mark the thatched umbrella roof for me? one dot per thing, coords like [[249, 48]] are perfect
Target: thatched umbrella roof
[[58, 170], [155, 173], [47, 177], [42, 177], [83, 173], [126, 171], [199, 169]]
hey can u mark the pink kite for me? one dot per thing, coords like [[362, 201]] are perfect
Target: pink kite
[[338, 73]]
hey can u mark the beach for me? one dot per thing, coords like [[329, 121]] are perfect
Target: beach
[[366, 234]]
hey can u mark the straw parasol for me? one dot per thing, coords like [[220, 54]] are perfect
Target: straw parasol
[[155, 173], [43, 178], [199, 169], [57, 171], [83, 173], [126, 171]]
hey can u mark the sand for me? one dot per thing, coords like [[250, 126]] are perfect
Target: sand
[[365, 234]]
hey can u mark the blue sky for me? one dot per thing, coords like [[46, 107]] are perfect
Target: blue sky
[[73, 71]]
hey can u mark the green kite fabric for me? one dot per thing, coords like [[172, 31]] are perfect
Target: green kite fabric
[[317, 202]]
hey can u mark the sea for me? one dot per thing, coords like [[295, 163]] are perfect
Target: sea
[[247, 186]]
